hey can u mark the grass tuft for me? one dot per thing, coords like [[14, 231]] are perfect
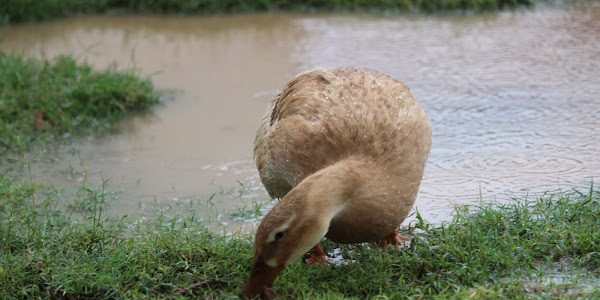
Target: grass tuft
[[41, 100]]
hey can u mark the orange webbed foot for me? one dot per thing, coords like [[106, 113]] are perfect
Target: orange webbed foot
[[393, 239], [316, 255]]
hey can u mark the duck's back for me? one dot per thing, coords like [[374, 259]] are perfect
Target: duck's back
[[325, 115]]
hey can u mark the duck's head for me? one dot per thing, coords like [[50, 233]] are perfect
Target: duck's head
[[290, 229]]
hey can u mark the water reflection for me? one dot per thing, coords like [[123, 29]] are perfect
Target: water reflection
[[512, 96]]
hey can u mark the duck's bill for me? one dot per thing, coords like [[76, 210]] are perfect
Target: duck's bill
[[261, 281]]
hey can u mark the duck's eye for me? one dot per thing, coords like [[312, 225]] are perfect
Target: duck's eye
[[279, 235]]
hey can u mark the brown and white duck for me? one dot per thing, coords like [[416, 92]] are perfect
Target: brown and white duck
[[344, 149]]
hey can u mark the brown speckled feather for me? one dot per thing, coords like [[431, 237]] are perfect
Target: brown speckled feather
[[325, 115]]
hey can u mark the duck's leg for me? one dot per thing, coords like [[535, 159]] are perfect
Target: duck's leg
[[393, 239], [316, 255]]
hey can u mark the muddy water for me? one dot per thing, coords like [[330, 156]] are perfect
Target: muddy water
[[513, 99]]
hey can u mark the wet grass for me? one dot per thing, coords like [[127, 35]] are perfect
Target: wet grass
[[47, 100], [19, 11], [515, 251]]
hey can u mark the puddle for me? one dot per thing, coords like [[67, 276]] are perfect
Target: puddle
[[562, 278], [512, 97]]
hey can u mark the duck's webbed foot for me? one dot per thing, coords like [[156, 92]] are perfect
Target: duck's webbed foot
[[393, 239], [316, 255]]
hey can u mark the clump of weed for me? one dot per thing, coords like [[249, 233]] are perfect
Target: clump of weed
[[43, 99], [506, 241]]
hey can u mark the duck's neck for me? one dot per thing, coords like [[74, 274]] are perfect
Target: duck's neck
[[313, 203], [327, 191]]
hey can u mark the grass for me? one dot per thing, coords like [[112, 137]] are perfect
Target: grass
[[492, 251], [45, 100], [19, 11], [52, 254]]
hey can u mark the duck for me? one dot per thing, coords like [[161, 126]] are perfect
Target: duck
[[344, 150]]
